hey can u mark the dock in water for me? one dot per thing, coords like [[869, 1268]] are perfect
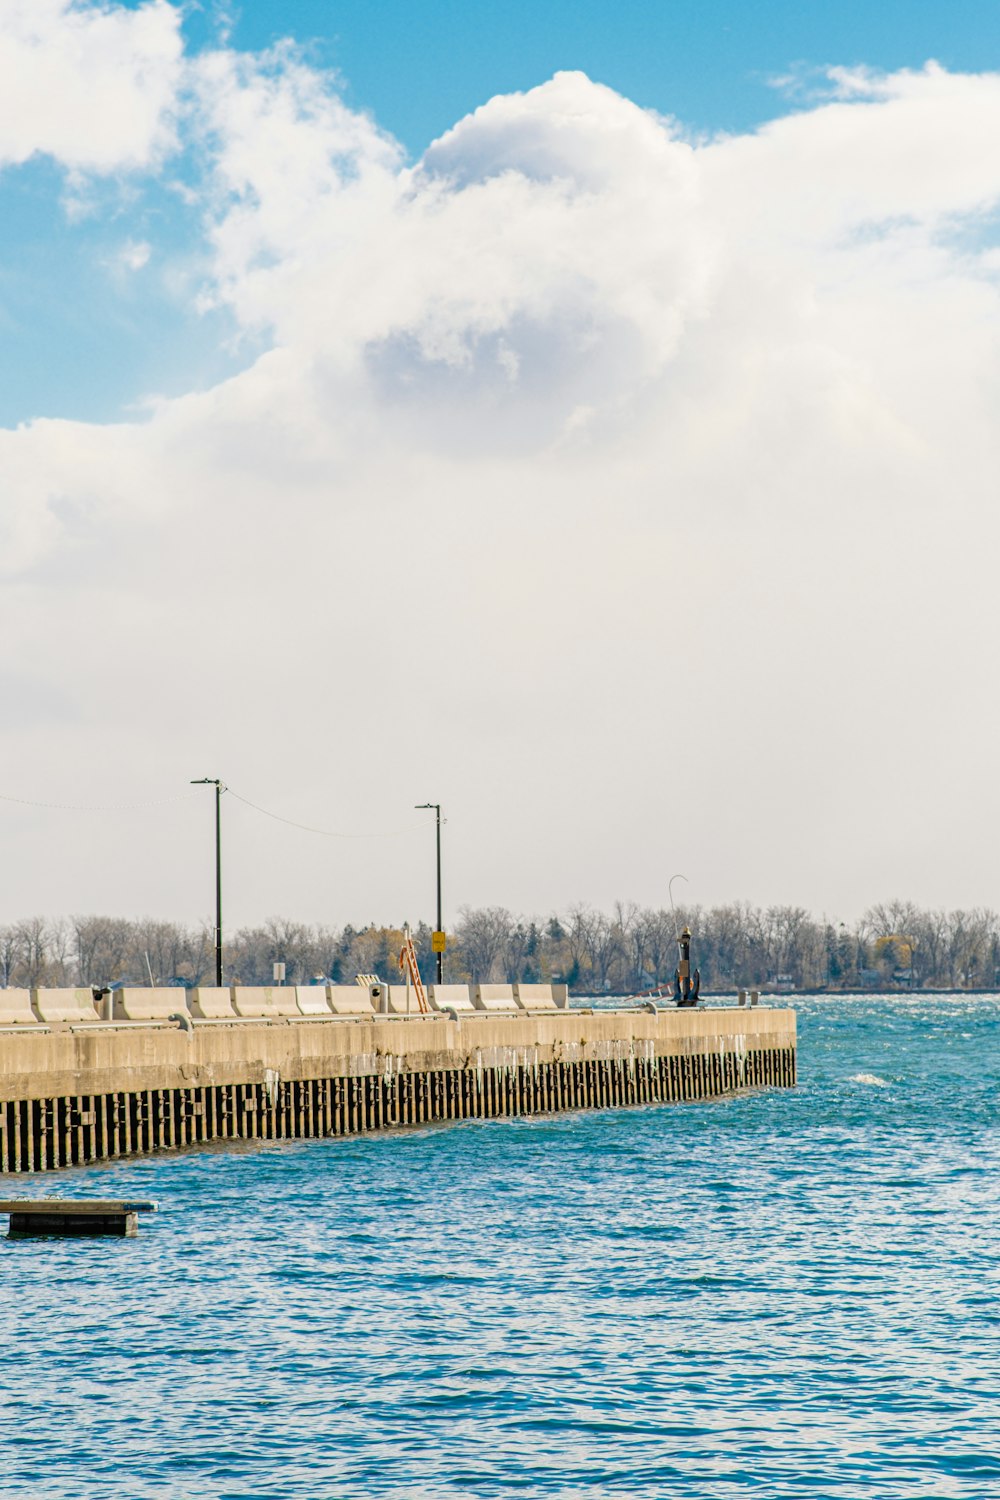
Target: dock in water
[[31, 1218], [82, 1089]]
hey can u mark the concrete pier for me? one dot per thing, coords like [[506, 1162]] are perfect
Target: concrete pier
[[73, 1092]]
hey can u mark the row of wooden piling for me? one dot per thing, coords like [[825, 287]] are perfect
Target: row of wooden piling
[[37, 1135]]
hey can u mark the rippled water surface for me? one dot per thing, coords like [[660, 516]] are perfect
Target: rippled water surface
[[789, 1294]]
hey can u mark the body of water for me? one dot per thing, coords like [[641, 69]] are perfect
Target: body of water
[[789, 1294]]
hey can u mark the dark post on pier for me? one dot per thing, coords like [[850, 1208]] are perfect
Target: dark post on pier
[[438, 935], [686, 985], [219, 789]]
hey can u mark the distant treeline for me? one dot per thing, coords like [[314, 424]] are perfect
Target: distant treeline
[[624, 951]]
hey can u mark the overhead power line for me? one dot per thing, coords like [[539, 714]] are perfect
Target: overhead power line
[[97, 806], [326, 833]]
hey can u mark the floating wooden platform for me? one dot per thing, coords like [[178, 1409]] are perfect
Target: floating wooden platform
[[34, 1217], [72, 1094]]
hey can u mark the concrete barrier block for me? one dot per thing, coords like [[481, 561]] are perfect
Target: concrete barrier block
[[534, 996], [397, 1000], [449, 997], [560, 994], [494, 997], [149, 1004], [311, 1000], [284, 999], [209, 1003], [349, 1000], [264, 1002], [15, 1008], [64, 1005]]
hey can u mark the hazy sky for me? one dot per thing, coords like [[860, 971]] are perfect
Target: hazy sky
[[585, 416]]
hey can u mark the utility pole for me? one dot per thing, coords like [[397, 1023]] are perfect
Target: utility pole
[[219, 789], [438, 937]]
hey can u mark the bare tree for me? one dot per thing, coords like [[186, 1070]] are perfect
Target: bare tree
[[60, 965], [171, 954], [31, 939], [599, 940], [970, 945], [519, 958], [484, 935], [659, 944], [105, 950], [9, 955]]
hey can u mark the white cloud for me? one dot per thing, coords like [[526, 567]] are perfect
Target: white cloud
[[130, 257], [295, 172], [637, 496], [92, 85]]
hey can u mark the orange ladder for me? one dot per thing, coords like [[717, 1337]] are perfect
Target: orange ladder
[[408, 965]]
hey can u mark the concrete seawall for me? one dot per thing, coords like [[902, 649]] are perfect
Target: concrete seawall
[[77, 1093]]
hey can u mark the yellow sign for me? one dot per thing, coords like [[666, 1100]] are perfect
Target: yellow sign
[[438, 941]]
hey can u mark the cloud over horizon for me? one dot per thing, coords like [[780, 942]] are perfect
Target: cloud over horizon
[[632, 493]]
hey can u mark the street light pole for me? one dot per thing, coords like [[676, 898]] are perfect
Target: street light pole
[[439, 951], [219, 789]]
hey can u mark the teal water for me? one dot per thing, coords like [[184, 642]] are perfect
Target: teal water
[[790, 1294]]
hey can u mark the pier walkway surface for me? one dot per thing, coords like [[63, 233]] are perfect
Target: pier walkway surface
[[80, 1089]]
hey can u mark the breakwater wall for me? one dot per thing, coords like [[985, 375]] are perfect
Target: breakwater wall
[[77, 1093]]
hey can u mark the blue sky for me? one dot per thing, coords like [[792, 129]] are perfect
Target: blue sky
[[421, 66], [83, 341]]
